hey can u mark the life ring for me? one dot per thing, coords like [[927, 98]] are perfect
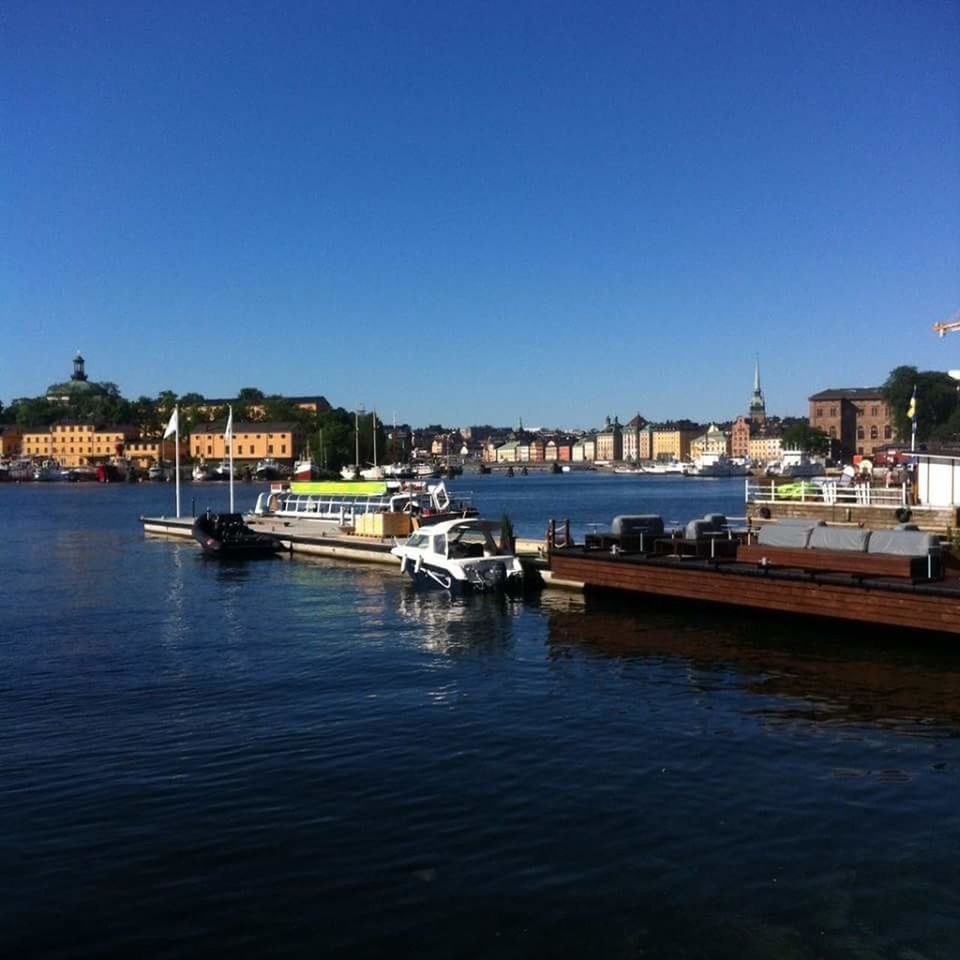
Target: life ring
[[903, 514], [765, 513]]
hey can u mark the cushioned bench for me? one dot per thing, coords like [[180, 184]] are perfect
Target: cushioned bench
[[883, 553]]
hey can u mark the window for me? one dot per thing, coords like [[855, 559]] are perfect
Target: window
[[209, 450], [270, 448], [819, 411], [860, 433], [833, 411], [240, 448], [283, 448], [874, 411], [859, 412], [874, 433], [887, 432]]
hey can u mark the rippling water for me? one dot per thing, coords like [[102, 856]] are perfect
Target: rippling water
[[290, 758]]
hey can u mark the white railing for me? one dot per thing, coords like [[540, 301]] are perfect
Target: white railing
[[826, 491]]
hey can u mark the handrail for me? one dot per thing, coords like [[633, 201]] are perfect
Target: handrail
[[829, 492]]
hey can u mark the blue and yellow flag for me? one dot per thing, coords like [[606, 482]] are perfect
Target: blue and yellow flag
[[912, 409]]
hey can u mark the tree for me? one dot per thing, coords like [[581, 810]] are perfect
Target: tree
[[801, 436], [936, 401]]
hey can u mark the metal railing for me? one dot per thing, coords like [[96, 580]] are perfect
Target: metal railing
[[826, 491]]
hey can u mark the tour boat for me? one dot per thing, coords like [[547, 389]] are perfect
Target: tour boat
[[461, 556], [226, 535], [343, 503]]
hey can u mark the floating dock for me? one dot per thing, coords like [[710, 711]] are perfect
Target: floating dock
[[928, 605]]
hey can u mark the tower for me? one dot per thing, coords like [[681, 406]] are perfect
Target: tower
[[758, 409], [78, 372]]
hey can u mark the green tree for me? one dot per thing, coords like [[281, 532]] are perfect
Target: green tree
[[801, 436], [936, 401]]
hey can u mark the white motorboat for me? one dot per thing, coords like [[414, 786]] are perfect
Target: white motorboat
[[462, 556], [797, 464], [157, 472], [716, 465], [202, 472]]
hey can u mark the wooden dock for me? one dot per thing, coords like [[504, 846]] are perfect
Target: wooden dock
[[928, 606]]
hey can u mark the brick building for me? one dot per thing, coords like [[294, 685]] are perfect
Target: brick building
[[856, 417]]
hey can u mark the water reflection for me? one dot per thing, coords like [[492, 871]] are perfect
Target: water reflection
[[798, 673], [452, 625]]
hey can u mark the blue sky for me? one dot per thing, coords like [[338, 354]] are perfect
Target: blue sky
[[478, 212]]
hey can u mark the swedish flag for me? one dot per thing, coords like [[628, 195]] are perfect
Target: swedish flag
[[912, 409]]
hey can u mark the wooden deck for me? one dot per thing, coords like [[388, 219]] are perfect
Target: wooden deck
[[929, 606]]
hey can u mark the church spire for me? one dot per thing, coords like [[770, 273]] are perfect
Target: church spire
[[758, 408]]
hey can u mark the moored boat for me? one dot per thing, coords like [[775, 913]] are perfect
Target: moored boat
[[203, 472], [462, 556], [226, 535]]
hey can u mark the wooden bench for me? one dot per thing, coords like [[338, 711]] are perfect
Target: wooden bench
[[837, 561]]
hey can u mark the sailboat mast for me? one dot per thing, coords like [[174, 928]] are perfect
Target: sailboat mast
[[374, 437]]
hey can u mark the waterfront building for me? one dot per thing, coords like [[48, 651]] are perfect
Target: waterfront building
[[740, 437], [856, 417], [507, 452], [758, 406], [585, 449], [631, 438], [765, 447], [252, 441], [11, 441], [712, 443], [537, 450], [610, 441], [672, 441], [558, 450], [144, 452], [77, 444]]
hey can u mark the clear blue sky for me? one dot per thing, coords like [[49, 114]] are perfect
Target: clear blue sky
[[474, 212]]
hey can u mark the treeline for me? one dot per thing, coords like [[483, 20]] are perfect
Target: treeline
[[331, 435]]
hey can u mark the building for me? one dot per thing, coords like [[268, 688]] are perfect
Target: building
[[215, 407], [672, 442], [11, 441], [758, 407], [144, 452], [77, 444], [713, 443], [610, 441], [251, 441], [740, 438], [856, 417], [631, 437], [508, 452], [585, 449], [558, 450], [765, 447]]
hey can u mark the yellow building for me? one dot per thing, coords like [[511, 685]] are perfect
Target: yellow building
[[314, 405], [673, 443], [144, 451], [11, 441], [77, 444], [251, 441], [712, 443], [766, 448]]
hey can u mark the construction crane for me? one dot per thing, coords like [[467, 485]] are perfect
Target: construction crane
[[945, 326]]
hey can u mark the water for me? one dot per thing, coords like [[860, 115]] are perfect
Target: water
[[293, 757]]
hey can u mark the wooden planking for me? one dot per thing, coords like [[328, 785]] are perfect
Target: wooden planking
[[698, 582]]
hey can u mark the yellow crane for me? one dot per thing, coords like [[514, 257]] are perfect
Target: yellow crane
[[945, 326]]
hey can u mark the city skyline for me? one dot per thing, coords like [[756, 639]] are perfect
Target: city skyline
[[547, 211]]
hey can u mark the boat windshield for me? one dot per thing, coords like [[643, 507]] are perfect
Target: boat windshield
[[420, 540], [472, 542]]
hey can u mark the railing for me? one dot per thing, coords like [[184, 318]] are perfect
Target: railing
[[826, 491]]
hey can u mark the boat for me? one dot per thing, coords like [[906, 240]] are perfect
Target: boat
[[675, 467], [79, 474], [306, 469], [797, 464], [342, 504], [226, 535], [716, 465], [203, 472], [157, 472], [222, 471], [461, 556], [48, 471], [268, 469], [20, 470]]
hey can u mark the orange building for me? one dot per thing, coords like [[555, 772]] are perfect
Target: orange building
[[77, 444], [11, 441], [251, 441]]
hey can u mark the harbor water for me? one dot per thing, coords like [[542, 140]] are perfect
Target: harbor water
[[293, 757]]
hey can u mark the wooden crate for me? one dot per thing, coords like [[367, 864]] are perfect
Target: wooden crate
[[383, 525]]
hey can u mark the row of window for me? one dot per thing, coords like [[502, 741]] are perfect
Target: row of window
[[253, 452], [874, 411]]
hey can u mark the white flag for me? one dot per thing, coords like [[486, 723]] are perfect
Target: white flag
[[228, 433], [173, 426]]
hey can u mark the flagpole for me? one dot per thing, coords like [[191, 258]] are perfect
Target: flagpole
[[176, 456], [230, 440]]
